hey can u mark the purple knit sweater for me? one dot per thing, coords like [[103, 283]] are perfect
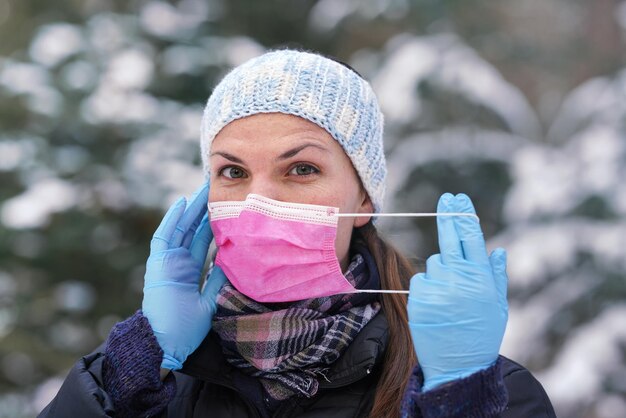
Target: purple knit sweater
[[131, 370], [133, 357]]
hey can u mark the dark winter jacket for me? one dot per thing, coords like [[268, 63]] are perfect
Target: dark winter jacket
[[206, 387]]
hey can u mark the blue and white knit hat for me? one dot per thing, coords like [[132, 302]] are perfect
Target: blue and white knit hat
[[315, 88]]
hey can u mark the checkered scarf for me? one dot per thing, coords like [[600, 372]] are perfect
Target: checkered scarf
[[289, 346]]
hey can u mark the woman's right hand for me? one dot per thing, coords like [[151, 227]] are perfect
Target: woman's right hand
[[179, 312]]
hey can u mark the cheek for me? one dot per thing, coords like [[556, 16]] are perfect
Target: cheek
[[215, 194], [218, 193], [344, 229], [344, 235]]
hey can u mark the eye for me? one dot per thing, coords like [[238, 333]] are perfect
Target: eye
[[304, 170], [232, 172]]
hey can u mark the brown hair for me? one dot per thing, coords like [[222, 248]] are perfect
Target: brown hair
[[395, 273]]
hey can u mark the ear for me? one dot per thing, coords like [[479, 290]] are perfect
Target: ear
[[365, 207]]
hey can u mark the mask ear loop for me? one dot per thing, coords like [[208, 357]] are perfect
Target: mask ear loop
[[408, 214]]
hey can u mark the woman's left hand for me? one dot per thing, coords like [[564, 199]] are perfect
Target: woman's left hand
[[458, 308]]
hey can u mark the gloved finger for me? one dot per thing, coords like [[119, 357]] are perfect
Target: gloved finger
[[436, 269], [196, 209], [214, 283], [497, 259], [414, 285], [449, 243], [191, 232], [469, 231], [163, 234], [201, 241], [414, 294]]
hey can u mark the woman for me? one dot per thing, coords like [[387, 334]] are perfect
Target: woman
[[291, 141]]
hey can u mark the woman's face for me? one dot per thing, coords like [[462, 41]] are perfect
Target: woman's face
[[290, 159]]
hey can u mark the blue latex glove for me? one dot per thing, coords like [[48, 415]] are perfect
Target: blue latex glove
[[458, 308], [179, 312]]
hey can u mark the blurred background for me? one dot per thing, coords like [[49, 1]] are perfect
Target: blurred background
[[520, 104]]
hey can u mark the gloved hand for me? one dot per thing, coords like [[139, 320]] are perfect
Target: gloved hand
[[179, 312], [458, 308]]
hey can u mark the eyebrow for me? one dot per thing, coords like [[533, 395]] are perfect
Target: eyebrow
[[228, 156], [285, 155], [294, 151]]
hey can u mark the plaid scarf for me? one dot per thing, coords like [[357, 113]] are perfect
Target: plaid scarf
[[289, 346]]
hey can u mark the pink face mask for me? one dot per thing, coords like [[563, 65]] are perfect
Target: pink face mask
[[274, 251]]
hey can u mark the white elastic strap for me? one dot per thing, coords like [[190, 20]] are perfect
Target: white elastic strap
[[408, 214], [413, 215], [402, 292]]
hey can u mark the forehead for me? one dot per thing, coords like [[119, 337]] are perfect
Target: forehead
[[273, 130]]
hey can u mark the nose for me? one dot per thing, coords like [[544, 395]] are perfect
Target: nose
[[266, 188], [259, 184]]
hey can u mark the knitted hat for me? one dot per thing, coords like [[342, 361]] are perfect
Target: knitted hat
[[315, 88]]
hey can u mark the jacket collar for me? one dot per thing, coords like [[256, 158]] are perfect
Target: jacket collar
[[362, 356]]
